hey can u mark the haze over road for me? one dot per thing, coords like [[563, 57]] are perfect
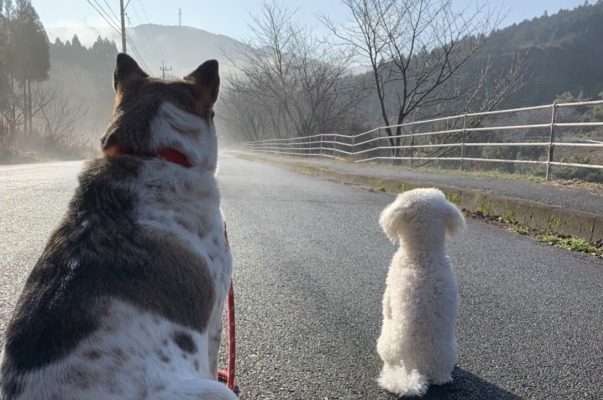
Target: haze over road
[[310, 265]]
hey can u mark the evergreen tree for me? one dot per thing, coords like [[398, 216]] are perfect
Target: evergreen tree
[[3, 72], [24, 58], [29, 54], [30, 43]]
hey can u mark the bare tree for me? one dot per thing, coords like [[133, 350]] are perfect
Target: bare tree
[[413, 47], [475, 91], [490, 87], [19, 109], [297, 82], [244, 116], [57, 115]]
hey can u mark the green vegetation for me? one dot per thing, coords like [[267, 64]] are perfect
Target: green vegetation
[[570, 243], [522, 230], [493, 174], [565, 40], [24, 61]]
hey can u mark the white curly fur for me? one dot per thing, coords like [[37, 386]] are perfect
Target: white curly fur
[[421, 300]]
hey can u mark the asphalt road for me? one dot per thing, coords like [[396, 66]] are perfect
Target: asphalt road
[[310, 272]]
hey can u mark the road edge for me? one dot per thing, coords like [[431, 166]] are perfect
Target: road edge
[[530, 214]]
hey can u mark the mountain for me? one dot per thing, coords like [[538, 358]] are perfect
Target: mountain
[[563, 52], [182, 48]]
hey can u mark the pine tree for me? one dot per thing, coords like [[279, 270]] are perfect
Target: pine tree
[[29, 55], [3, 73]]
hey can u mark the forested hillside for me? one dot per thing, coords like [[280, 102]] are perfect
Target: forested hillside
[[563, 52], [85, 75]]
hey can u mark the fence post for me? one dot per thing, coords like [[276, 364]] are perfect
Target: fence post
[[412, 140], [463, 141], [320, 146], [332, 146], [309, 150], [551, 142]]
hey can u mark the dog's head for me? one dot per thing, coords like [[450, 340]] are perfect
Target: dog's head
[[421, 212], [151, 114]]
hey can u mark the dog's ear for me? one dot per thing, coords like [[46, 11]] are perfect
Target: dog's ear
[[126, 72], [206, 79], [453, 220], [392, 219]]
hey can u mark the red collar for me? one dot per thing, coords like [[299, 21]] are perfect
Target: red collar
[[168, 154]]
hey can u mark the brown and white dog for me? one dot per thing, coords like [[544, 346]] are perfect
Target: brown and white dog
[[126, 300]]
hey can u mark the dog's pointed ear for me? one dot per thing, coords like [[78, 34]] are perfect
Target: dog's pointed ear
[[392, 218], [206, 78], [453, 220], [126, 72]]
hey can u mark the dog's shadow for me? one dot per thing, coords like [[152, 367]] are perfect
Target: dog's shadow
[[466, 386]]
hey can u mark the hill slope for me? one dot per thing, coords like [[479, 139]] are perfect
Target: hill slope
[[181, 47], [564, 52]]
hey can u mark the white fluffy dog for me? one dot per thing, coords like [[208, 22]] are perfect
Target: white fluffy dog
[[421, 300]]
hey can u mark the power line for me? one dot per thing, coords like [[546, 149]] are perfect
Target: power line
[[137, 53], [111, 9], [106, 15], [151, 27], [126, 38], [143, 10], [149, 42], [156, 48], [107, 20]]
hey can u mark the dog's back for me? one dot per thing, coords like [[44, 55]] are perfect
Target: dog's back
[[420, 304], [125, 301]]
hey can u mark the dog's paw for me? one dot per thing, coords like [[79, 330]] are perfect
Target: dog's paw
[[397, 380]]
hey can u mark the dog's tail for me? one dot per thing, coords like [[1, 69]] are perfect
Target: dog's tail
[[194, 389], [396, 379]]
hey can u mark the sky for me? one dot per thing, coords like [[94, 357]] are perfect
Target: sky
[[232, 17]]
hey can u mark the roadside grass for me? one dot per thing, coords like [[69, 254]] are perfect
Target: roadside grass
[[571, 243], [563, 241], [485, 174], [575, 183], [593, 186]]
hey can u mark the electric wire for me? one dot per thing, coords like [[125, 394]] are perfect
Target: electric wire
[[155, 53], [107, 20], [113, 24]]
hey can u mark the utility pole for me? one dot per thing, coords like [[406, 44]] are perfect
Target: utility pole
[[164, 69], [122, 11], [179, 16]]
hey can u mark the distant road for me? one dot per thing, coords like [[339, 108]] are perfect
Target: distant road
[[310, 272]]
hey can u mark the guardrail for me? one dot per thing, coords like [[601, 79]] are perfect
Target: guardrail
[[462, 139]]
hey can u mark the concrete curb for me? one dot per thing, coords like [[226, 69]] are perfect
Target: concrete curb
[[530, 214]]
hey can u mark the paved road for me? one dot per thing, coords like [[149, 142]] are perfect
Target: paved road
[[311, 264]]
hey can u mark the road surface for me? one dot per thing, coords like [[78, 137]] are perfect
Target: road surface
[[310, 272]]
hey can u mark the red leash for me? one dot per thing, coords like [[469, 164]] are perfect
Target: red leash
[[228, 376]]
